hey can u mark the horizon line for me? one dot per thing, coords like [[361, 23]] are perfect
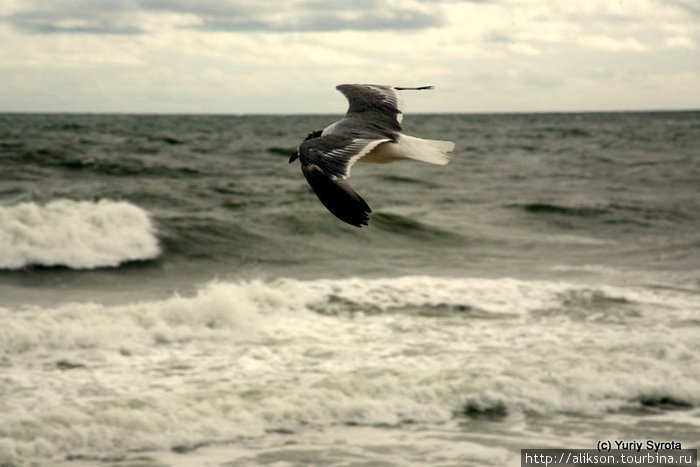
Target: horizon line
[[293, 114]]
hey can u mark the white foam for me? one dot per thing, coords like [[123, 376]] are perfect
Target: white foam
[[75, 234], [239, 359]]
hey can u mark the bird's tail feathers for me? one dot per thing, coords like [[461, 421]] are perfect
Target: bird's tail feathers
[[431, 151]]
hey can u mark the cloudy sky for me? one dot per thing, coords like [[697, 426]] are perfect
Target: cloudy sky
[[286, 56]]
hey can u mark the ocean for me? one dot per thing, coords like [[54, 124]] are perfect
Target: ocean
[[172, 293]]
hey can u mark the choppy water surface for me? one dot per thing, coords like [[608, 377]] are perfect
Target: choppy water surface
[[173, 293]]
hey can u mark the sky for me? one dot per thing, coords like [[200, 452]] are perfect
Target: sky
[[287, 56]]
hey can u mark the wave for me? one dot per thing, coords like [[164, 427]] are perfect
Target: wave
[[75, 234], [278, 151], [407, 226], [639, 214], [252, 357], [546, 208], [236, 306], [392, 178]]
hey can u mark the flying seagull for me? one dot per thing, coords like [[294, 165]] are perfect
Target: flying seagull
[[370, 131]]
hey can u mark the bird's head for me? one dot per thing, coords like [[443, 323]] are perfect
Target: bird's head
[[294, 157]]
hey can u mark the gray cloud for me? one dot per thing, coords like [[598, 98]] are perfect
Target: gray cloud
[[689, 6], [208, 8], [62, 16], [328, 21], [37, 22], [499, 37], [114, 17], [542, 80], [338, 5]]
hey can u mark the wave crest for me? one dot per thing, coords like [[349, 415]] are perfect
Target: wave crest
[[248, 358], [75, 234]]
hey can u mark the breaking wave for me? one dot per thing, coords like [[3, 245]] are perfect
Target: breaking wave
[[75, 234], [249, 357]]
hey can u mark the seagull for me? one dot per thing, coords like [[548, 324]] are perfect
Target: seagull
[[370, 131]]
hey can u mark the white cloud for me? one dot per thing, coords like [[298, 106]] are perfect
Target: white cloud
[[681, 42], [243, 56], [611, 44], [524, 48]]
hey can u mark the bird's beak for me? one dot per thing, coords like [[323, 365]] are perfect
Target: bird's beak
[[294, 157]]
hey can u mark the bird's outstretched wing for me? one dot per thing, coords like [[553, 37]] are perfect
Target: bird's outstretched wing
[[383, 102], [337, 196], [335, 154], [325, 162]]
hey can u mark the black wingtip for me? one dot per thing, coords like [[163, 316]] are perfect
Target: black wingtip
[[338, 197], [419, 88]]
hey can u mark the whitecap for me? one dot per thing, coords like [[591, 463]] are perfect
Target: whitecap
[[246, 358], [75, 234]]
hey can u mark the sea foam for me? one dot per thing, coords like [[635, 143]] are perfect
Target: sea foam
[[247, 358], [75, 234]]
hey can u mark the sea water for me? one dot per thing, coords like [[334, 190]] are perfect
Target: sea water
[[173, 293]]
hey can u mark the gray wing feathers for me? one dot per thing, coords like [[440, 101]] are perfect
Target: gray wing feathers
[[335, 154], [380, 103], [383, 104], [363, 96]]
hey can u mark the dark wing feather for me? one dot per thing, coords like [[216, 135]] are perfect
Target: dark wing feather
[[337, 196]]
